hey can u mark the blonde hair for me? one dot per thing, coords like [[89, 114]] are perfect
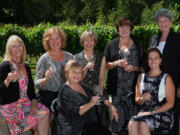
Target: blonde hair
[[10, 41], [71, 64], [47, 34], [90, 34]]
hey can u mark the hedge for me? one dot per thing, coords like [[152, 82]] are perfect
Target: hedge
[[33, 36]]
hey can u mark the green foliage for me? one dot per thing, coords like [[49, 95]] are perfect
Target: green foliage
[[32, 12], [32, 36], [147, 16]]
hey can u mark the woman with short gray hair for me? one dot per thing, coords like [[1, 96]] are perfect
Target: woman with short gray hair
[[168, 42]]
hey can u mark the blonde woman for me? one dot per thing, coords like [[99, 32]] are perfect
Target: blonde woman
[[19, 105]]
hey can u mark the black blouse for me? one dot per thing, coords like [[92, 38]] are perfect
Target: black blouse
[[92, 77], [171, 55], [69, 101], [111, 51]]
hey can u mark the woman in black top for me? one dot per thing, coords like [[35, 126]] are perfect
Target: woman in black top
[[90, 59], [123, 56], [168, 42], [77, 105]]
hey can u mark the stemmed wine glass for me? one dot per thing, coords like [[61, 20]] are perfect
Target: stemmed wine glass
[[96, 92], [148, 88], [14, 69], [52, 68], [91, 60], [126, 54]]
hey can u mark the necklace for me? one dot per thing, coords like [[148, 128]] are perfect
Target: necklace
[[125, 44]]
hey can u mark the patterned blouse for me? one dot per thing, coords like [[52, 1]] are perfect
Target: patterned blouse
[[58, 79], [92, 77]]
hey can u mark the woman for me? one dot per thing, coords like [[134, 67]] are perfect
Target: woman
[[168, 42], [19, 105], [90, 60], [76, 104], [155, 93], [123, 56], [50, 67]]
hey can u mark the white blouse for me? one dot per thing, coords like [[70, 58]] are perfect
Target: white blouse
[[161, 46]]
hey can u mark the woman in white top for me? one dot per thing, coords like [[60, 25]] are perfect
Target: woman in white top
[[155, 95]]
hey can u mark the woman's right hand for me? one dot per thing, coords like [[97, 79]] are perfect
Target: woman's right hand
[[120, 63], [95, 99], [12, 77], [48, 74], [89, 66], [146, 96]]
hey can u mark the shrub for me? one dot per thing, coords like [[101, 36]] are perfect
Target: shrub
[[33, 36]]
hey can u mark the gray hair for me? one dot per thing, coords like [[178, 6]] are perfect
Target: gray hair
[[163, 12]]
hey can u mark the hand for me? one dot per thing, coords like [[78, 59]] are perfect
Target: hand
[[34, 107], [178, 92], [120, 63], [146, 96], [95, 99], [12, 77], [114, 113], [144, 113], [129, 68], [90, 66], [49, 73]]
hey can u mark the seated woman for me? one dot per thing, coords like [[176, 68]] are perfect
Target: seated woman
[[155, 93], [18, 104], [76, 104]]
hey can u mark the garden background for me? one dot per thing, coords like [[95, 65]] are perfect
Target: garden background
[[29, 19]]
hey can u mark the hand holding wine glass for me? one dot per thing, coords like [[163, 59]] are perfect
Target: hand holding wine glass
[[126, 54], [91, 61], [15, 72], [96, 91]]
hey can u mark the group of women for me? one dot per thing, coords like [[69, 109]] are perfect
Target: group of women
[[141, 102]]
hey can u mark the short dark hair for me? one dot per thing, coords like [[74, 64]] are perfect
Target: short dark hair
[[124, 22]]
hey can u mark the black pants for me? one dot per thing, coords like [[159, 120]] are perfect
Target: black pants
[[96, 129]]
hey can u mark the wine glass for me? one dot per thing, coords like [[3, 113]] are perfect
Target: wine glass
[[126, 54], [96, 92], [52, 67], [91, 60], [14, 69], [148, 88]]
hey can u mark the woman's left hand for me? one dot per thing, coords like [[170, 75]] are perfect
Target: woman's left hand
[[144, 113], [129, 68], [34, 106], [114, 113]]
